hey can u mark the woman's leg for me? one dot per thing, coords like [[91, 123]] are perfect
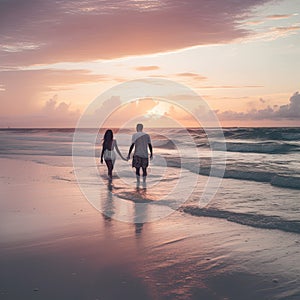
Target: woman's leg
[[110, 166]]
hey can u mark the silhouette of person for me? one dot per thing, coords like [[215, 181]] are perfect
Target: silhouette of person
[[140, 142], [108, 153]]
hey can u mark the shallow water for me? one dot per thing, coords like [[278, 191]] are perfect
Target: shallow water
[[261, 169]]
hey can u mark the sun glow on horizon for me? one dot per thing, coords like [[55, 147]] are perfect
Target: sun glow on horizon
[[158, 111]]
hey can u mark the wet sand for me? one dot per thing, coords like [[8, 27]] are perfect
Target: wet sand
[[55, 245]]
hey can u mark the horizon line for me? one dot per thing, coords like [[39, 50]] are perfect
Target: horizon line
[[164, 127]]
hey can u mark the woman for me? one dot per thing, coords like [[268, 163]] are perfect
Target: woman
[[108, 153]]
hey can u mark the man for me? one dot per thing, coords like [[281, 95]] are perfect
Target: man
[[140, 141]]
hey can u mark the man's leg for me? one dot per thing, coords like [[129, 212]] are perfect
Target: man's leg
[[137, 175], [137, 171], [144, 171]]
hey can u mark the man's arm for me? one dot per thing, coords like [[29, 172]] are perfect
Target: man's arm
[[150, 148], [130, 150]]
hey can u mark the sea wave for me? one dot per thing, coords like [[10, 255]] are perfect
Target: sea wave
[[284, 181], [275, 134], [279, 180], [165, 144], [258, 147], [253, 220]]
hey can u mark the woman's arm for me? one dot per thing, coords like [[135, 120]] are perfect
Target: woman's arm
[[118, 151], [102, 153]]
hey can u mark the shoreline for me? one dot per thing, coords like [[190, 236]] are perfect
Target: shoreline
[[55, 245]]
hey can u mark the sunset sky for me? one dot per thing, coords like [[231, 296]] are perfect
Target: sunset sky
[[241, 57]]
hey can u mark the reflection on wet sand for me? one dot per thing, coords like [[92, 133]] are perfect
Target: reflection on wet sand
[[139, 209], [108, 208]]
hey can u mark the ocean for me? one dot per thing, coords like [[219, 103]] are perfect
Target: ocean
[[258, 169]]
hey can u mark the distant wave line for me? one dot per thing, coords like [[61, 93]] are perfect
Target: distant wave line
[[253, 220]]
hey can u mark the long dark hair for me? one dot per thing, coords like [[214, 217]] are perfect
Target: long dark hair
[[108, 139]]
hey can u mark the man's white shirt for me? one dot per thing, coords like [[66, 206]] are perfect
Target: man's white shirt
[[141, 141]]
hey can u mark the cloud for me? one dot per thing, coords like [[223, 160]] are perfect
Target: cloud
[[279, 16], [191, 75], [147, 68], [107, 107], [57, 113], [21, 88], [42, 32], [286, 29], [291, 110], [129, 113], [268, 18], [229, 86], [288, 111], [274, 33], [114, 113], [262, 100], [254, 22], [58, 110], [54, 113]]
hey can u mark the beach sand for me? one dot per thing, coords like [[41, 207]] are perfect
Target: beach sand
[[55, 245]]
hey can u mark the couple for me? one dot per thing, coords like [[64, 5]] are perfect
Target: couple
[[140, 142]]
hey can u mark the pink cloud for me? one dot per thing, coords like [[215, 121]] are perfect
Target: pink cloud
[[35, 32], [290, 111], [191, 75], [279, 16], [147, 68], [54, 113], [21, 89]]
